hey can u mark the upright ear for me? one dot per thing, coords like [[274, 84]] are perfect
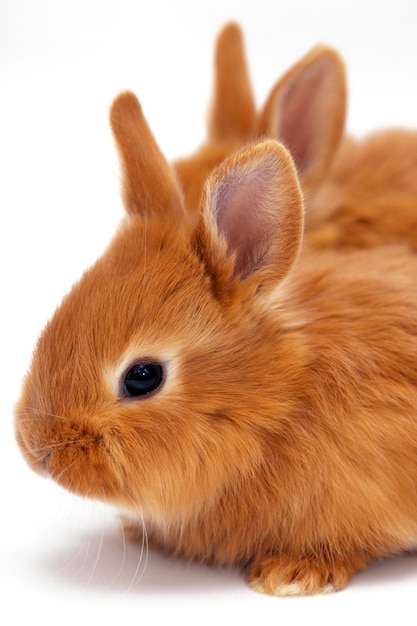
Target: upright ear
[[233, 112], [149, 184], [253, 205], [306, 110]]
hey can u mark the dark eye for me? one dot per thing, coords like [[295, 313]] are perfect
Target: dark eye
[[142, 378]]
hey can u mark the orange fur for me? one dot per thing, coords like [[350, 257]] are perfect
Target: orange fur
[[226, 120], [284, 436], [370, 195]]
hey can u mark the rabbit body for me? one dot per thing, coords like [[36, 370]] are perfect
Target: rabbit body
[[318, 430], [283, 437], [370, 194]]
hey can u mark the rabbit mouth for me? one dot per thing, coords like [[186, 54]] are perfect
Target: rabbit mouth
[[80, 464], [75, 457]]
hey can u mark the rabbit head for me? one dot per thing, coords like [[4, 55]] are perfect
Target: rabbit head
[[140, 385]]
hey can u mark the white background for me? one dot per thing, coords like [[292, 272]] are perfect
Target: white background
[[63, 560]]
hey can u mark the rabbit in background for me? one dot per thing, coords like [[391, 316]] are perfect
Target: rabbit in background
[[251, 400], [305, 110], [358, 192]]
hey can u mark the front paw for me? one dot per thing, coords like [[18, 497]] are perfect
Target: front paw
[[283, 576]]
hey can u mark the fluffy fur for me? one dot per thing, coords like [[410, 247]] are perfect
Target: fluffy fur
[[284, 436], [370, 195]]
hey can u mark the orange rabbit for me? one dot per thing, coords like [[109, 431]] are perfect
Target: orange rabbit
[[358, 193], [253, 403], [305, 110]]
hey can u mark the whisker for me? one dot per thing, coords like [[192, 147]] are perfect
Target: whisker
[[61, 444], [82, 561], [144, 551], [39, 414], [58, 476], [122, 564], [72, 559], [82, 565], [98, 553], [51, 447], [30, 419], [80, 554]]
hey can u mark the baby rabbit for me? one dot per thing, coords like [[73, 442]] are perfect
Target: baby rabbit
[[358, 193], [305, 110], [254, 403]]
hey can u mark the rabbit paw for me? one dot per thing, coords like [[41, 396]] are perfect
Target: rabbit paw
[[282, 576]]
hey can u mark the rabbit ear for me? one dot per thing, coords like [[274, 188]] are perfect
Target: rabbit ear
[[232, 113], [149, 185], [253, 202], [306, 111]]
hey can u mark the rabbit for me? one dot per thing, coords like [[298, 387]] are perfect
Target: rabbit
[[254, 404], [358, 193], [305, 110]]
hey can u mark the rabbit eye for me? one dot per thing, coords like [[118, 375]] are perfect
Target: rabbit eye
[[142, 379]]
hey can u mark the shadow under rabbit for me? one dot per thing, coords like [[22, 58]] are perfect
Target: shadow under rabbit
[[388, 571], [103, 559]]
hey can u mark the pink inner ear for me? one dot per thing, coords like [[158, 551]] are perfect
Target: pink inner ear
[[302, 104], [244, 215]]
